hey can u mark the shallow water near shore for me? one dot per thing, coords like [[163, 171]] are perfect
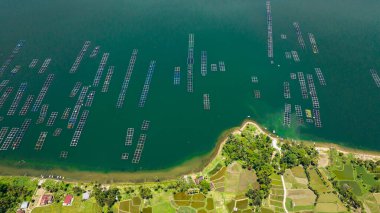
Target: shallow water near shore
[[180, 129]]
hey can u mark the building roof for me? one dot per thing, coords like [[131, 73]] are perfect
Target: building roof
[[86, 196], [24, 205], [68, 199], [46, 199]]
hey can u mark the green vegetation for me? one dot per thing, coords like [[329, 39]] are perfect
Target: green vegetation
[[15, 190]]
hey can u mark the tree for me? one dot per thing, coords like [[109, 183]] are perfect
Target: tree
[[204, 186], [146, 193]]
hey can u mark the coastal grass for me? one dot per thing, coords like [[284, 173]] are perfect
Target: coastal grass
[[163, 207], [367, 177], [329, 202], [346, 174], [298, 172]]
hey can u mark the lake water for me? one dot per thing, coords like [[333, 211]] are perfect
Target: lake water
[[347, 35]]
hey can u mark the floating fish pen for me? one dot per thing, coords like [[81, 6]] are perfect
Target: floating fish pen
[[313, 91], [15, 69], [299, 115], [299, 35], [127, 78], [206, 101], [95, 52], [295, 56], [74, 116], [190, 62], [214, 68], [42, 93], [43, 113], [66, 113], [257, 94], [254, 79], [41, 140], [222, 67], [90, 99], [283, 36], [139, 149], [33, 63], [107, 81], [3, 133], [75, 89], [270, 31], [15, 51], [375, 77], [99, 72], [309, 120], [145, 125], [63, 154], [313, 43], [26, 106], [148, 79], [288, 55], [287, 113], [301, 79], [8, 140], [52, 118], [24, 127], [129, 137], [204, 63], [124, 156], [5, 96], [82, 95], [17, 99], [320, 76], [44, 66], [57, 132], [293, 76], [286, 90], [79, 129], [177, 76], [3, 84], [80, 57], [190, 78], [317, 118]]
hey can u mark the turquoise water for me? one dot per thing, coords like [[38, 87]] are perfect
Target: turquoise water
[[235, 32]]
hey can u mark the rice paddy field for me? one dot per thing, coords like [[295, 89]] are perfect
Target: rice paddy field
[[82, 79]]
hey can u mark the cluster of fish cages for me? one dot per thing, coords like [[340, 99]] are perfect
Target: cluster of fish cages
[[10, 58], [139, 149], [95, 52], [190, 63], [79, 129], [204, 63], [148, 79], [286, 90], [295, 56], [177, 76], [313, 43], [299, 35], [107, 81], [375, 77], [75, 89], [79, 58], [302, 82], [320, 76], [129, 136], [17, 99], [99, 72], [127, 78], [270, 31], [42, 93], [206, 101], [44, 66], [313, 91], [287, 115], [52, 118]]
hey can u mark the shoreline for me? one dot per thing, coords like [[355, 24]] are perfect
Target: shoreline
[[188, 167]]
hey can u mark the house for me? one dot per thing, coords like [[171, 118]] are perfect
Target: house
[[68, 200], [20, 211], [199, 179], [24, 205], [86, 195], [46, 199]]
